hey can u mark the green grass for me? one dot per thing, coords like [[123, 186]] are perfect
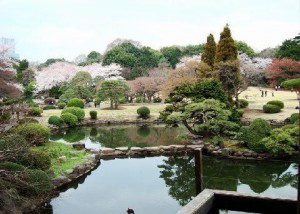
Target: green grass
[[56, 150]]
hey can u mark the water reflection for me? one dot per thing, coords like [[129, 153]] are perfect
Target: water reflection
[[116, 136], [241, 176]]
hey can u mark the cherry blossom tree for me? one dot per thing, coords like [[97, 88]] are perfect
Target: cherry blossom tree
[[59, 72]]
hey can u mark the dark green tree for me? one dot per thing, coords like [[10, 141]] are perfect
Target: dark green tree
[[93, 55], [191, 50], [209, 51], [245, 48], [290, 48], [23, 65], [172, 55], [226, 49]]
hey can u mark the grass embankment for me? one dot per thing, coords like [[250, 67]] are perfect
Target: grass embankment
[[63, 157]]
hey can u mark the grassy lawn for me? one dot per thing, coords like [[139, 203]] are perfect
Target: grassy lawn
[[56, 150], [256, 103]]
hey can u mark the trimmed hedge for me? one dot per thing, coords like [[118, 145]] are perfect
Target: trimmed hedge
[[50, 101], [61, 105], [93, 115], [294, 118], [34, 133], [143, 112], [69, 119], [268, 108], [55, 120], [276, 103], [36, 111], [47, 107], [157, 100], [75, 102], [78, 112], [243, 103]]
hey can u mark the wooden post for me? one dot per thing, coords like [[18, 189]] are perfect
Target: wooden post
[[198, 171]]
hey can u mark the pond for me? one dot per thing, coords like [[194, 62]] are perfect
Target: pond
[[160, 184], [122, 135]]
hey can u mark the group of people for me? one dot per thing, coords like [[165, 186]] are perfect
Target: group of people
[[265, 93]]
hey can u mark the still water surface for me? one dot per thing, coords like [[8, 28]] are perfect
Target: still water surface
[[160, 184]]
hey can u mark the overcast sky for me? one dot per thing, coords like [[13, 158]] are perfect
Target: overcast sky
[[66, 28]]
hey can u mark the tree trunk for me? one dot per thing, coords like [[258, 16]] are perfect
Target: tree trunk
[[237, 103], [189, 128], [111, 104]]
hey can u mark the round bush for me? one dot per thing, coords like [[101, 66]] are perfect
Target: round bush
[[268, 108], [75, 102], [240, 112], [243, 103], [138, 99], [36, 111], [47, 107], [37, 160], [252, 135], [143, 112], [50, 101], [61, 105], [34, 133], [157, 100], [294, 118], [69, 119], [93, 115], [55, 120], [276, 103], [78, 112]]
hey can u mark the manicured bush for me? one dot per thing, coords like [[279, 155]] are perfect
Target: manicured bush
[[5, 116], [38, 182], [243, 103], [252, 135], [75, 102], [93, 115], [280, 143], [37, 160], [268, 108], [294, 118], [36, 111], [47, 107], [69, 119], [61, 105], [139, 99], [78, 112], [50, 101], [34, 133], [157, 100], [276, 103], [143, 112], [55, 120], [123, 100], [240, 112]]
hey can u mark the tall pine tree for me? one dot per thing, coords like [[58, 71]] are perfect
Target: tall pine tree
[[209, 52], [226, 49]]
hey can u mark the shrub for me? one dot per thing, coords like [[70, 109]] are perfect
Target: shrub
[[36, 111], [10, 166], [38, 182], [34, 133], [123, 100], [47, 107], [276, 103], [280, 143], [5, 116], [50, 101], [78, 112], [93, 115], [240, 112], [61, 105], [243, 103], [13, 147], [139, 99], [143, 112], [157, 100], [55, 120], [252, 135], [75, 102], [69, 119], [268, 108], [294, 118], [37, 160]]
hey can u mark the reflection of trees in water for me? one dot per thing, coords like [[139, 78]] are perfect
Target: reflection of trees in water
[[74, 135], [178, 173]]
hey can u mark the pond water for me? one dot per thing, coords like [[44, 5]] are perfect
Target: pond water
[[161, 184], [122, 135]]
